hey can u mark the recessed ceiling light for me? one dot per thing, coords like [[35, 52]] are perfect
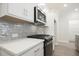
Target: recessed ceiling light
[[76, 9], [41, 4], [45, 10], [65, 5]]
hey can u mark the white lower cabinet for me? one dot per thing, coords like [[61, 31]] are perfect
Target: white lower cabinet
[[39, 53], [28, 53], [35, 51], [3, 53]]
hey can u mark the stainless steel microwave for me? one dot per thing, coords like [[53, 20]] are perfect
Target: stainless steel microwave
[[39, 16]]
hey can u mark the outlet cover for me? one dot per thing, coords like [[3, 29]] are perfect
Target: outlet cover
[[15, 35]]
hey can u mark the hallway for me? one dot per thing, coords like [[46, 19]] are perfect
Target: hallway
[[65, 49]]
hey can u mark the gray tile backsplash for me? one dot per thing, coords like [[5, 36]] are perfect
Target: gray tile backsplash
[[8, 28]]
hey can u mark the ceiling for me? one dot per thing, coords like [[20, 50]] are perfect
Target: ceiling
[[54, 6], [60, 6]]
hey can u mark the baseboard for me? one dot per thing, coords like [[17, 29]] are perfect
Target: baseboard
[[63, 41]]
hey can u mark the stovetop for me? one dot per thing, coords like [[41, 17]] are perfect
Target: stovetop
[[45, 37]]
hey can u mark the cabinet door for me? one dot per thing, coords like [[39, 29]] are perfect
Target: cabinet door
[[29, 53], [15, 9], [40, 52], [35, 51], [29, 10], [22, 10]]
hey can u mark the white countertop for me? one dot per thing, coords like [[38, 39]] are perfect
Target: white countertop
[[21, 45]]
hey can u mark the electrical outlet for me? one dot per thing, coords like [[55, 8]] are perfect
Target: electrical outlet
[[15, 35]]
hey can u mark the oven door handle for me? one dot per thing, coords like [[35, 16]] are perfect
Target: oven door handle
[[49, 42]]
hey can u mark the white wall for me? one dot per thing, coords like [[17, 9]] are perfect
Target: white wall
[[50, 29], [74, 25], [50, 22], [68, 26], [63, 28]]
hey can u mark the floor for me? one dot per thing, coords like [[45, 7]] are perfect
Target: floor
[[65, 49]]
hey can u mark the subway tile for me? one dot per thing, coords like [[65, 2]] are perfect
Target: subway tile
[[22, 30]]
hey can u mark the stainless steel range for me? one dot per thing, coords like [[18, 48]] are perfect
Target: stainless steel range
[[48, 45]]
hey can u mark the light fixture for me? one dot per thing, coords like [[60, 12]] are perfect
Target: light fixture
[[65, 5], [76, 9]]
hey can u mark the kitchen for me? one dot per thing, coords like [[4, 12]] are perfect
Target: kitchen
[[17, 21], [38, 29]]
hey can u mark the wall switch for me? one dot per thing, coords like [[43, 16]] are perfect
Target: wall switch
[[25, 12], [15, 35]]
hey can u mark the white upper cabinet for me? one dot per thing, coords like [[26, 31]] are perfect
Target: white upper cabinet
[[24, 11]]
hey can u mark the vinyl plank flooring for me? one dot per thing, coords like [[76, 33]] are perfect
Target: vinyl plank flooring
[[65, 50]]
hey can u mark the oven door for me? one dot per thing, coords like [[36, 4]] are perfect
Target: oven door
[[48, 49]]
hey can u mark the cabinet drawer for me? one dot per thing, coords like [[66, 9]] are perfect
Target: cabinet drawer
[[38, 49], [38, 46], [28, 53], [39, 52], [35, 51]]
